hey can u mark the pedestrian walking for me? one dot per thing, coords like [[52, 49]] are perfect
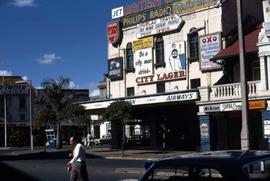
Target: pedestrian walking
[[88, 141], [77, 165]]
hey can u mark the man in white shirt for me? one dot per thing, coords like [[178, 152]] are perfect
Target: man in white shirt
[[78, 162]]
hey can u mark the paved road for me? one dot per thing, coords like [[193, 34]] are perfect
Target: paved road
[[54, 169]]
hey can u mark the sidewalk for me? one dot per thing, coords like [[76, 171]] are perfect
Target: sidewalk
[[94, 153], [133, 154]]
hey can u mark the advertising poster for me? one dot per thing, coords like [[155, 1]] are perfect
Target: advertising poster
[[115, 68], [143, 62], [209, 46], [175, 57]]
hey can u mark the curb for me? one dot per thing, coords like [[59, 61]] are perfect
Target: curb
[[128, 158]]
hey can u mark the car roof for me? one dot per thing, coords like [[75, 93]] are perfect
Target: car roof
[[234, 158]]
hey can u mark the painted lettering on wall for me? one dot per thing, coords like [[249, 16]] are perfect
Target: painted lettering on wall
[[161, 77], [184, 96]]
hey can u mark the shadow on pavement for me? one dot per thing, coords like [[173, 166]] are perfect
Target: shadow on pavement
[[10, 173], [43, 155]]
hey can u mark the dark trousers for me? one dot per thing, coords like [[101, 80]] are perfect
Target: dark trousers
[[79, 171]]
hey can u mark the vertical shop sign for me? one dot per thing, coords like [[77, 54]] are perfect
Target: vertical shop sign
[[115, 68]]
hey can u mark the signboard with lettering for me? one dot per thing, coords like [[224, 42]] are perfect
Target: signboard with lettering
[[117, 12], [259, 104], [175, 57], [161, 25], [143, 62], [266, 126], [142, 5], [115, 68], [168, 76], [209, 46], [148, 15], [186, 6], [13, 89], [143, 43], [175, 97]]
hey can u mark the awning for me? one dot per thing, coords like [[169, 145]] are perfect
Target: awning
[[251, 40]]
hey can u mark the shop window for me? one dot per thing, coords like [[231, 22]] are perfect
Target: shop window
[[193, 42], [256, 70], [160, 52], [195, 83], [129, 58], [130, 91], [160, 87]]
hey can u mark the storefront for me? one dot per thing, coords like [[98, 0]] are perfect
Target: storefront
[[221, 125], [174, 113]]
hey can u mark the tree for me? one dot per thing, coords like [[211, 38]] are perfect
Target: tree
[[118, 113], [58, 105]]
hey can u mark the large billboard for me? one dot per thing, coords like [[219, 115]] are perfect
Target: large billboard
[[209, 46], [143, 62], [175, 57], [161, 25]]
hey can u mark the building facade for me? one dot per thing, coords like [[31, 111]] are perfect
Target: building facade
[[175, 61], [15, 111]]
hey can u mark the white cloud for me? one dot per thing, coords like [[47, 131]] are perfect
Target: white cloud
[[25, 78], [49, 58], [93, 90], [24, 3], [73, 85], [5, 73]]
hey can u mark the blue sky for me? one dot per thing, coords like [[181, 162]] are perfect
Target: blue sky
[[42, 39]]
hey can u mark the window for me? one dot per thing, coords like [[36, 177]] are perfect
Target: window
[[257, 170], [169, 173], [129, 54], [22, 117], [256, 70], [160, 87], [22, 103], [195, 83], [193, 44], [159, 51], [130, 91]]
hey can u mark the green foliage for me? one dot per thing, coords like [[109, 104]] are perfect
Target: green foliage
[[74, 112], [54, 95], [44, 116], [119, 111]]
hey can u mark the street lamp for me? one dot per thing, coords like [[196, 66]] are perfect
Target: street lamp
[[30, 109], [245, 145]]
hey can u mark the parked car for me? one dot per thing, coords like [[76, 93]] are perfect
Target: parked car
[[219, 165], [105, 139], [93, 141]]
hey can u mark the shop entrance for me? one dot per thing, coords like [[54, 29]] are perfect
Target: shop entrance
[[225, 130]]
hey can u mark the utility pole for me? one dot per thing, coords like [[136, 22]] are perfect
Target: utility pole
[[244, 91]]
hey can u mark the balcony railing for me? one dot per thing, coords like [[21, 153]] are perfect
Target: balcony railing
[[228, 91]]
